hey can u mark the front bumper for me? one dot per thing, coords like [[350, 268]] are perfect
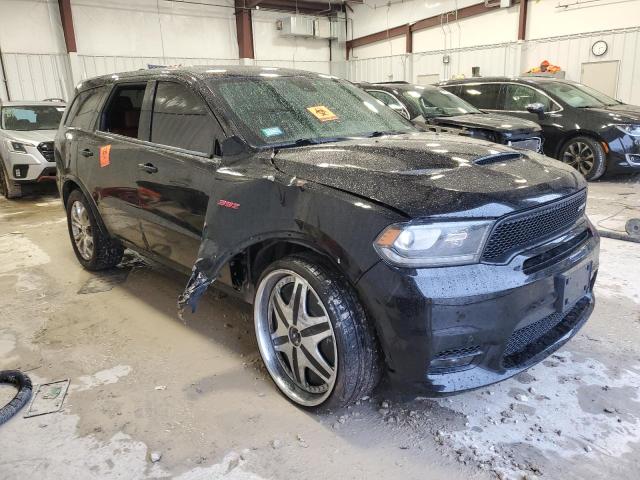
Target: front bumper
[[456, 328], [624, 153], [29, 167]]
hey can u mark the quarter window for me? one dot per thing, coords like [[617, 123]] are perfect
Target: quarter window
[[180, 119], [122, 113], [517, 97], [483, 96], [84, 108]]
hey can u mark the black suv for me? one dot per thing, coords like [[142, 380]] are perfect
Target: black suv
[[585, 128], [363, 244], [429, 107]]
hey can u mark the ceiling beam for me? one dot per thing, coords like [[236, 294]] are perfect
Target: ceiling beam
[[301, 6], [66, 18]]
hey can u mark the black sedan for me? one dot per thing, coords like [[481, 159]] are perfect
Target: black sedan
[[433, 108], [365, 246], [585, 128]]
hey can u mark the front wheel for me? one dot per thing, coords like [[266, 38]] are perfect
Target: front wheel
[[313, 334], [585, 155], [10, 188]]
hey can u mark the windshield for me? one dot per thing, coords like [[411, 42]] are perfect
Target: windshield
[[436, 102], [274, 110], [579, 96], [31, 117]]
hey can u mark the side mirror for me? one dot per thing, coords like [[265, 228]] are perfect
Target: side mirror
[[537, 108], [232, 146]]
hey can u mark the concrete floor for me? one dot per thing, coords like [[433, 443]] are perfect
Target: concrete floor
[[142, 381]]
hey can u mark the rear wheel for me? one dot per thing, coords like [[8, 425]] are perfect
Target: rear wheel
[[10, 189], [94, 249], [313, 335], [585, 155]]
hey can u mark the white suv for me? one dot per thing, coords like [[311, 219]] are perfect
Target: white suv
[[27, 130]]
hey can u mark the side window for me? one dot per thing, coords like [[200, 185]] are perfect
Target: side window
[[84, 108], [517, 97], [390, 101], [180, 119], [121, 115], [482, 96]]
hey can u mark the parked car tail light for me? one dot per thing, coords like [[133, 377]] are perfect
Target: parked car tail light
[[433, 244], [633, 130]]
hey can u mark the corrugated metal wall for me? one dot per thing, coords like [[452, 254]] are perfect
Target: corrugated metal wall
[[570, 52], [37, 76]]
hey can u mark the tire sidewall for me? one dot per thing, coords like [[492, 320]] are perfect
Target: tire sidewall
[[599, 156], [75, 196], [346, 357]]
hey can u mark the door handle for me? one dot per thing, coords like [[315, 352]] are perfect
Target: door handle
[[86, 153], [148, 167]]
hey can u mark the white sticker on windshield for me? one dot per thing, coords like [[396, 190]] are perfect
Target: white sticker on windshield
[[272, 131], [60, 109]]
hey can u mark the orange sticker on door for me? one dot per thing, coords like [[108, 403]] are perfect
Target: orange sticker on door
[[322, 113], [105, 156]]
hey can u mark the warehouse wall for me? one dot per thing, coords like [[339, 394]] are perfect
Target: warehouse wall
[[562, 35], [120, 35], [271, 48]]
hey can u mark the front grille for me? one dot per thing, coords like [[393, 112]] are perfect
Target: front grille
[[515, 232], [458, 352], [46, 149], [527, 342], [533, 143]]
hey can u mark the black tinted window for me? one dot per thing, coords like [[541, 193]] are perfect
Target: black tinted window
[[517, 97], [122, 113], [483, 96], [180, 119], [84, 108]]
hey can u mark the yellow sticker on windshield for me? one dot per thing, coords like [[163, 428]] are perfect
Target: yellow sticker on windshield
[[322, 113]]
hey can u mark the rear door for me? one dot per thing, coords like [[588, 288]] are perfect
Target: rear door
[[175, 171], [114, 155]]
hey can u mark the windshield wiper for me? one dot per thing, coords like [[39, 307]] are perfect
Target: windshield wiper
[[382, 133]]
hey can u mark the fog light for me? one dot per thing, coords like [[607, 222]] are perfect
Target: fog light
[[454, 360], [17, 173], [633, 159]]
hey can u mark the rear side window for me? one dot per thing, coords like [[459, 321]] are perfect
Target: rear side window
[[180, 119], [83, 110], [483, 96], [122, 114], [517, 97]]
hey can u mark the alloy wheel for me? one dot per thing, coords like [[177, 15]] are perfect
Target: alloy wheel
[[580, 156], [82, 231], [296, 337]]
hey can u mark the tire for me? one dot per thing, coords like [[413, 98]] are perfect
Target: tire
[[585, 155], [345, 365], [94, 249], [23, 384], [10, 189]]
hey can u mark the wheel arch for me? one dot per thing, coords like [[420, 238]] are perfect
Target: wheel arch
[[572, 134], [69, 184]]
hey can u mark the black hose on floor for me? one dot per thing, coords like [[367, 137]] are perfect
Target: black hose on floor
[[23, 384]]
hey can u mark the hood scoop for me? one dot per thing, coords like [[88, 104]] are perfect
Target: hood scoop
[[497, 158]]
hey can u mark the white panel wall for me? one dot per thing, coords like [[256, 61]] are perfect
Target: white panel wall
[[393, 46], [35, 58], [547, 19], [271, 49]]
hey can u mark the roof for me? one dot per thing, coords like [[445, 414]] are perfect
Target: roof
[[534, 79], [23, 103], [199, 72], [396, 86]]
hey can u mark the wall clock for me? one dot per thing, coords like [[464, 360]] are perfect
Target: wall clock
[[599, 48]]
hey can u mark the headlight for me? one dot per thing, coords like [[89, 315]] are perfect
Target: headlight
[[433, 244], [633, 130], [19, 147]]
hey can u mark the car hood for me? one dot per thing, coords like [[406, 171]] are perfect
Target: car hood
[[431, 174], [489, 121], [619, 113], [31, 136]]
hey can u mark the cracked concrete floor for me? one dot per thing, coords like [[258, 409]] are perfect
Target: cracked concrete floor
[[143, 381]]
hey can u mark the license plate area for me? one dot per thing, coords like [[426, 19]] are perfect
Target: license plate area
[[572, 285]]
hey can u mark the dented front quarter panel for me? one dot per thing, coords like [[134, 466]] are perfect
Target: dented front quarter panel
[[251, 201]]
